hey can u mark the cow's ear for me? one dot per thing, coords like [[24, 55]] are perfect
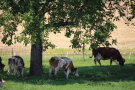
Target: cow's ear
[[9, 60]]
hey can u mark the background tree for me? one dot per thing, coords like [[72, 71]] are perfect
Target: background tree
[[98, 21], [40, 17]]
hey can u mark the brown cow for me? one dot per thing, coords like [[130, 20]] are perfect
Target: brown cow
[[104, 53], [62, 63]]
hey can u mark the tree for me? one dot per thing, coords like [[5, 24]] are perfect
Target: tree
[[40, 17], [97, 22]]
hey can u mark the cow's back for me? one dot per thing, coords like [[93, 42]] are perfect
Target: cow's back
[[107, 52], [68, 61], [18, 61]]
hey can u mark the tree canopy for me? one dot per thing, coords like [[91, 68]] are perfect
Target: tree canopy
[[51, 15], [93, 20]]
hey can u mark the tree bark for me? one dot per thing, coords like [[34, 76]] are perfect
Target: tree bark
[[36, 60]]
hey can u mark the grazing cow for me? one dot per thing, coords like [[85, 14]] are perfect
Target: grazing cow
[[62, 63], [104, 53], [1, 65], [16, 65]]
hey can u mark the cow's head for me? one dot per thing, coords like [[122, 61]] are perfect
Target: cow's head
[[75, 72], [11, 61], [121, 62]]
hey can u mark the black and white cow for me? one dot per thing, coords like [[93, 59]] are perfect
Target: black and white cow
[[105, 53], [16, 65], [1, 65]]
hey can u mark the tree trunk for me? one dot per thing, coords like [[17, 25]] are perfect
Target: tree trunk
[[36, 60]]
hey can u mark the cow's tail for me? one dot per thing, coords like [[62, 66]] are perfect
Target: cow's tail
[[91, 56]]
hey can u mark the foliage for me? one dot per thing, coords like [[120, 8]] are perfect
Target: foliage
[[39, 17], [96, 23]]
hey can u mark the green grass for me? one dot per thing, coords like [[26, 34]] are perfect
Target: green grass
[[91, 77]]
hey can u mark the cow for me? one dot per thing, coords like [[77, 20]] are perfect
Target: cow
[[16, 65], [1, 82], [1, 65], [105, 53], [62, 63]]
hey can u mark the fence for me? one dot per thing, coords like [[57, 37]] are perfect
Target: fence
[[9, 51], [25, 51]]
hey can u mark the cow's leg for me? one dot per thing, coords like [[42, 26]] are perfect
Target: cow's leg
[[9, 70], [19, 73], [99, 62], [19, 70], [15, 71], [50, 71], [56, 70], [22, 72], [95, 61], [111, 62], [67, 73]]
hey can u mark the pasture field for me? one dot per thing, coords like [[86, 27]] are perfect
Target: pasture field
[[91, 77]]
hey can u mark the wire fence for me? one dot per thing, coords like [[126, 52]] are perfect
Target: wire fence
[[9, 51], [25, 51]]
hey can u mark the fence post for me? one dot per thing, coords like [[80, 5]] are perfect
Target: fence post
[[67, 54], [83, 51], [1, 51], [129, 55], [12, 51]]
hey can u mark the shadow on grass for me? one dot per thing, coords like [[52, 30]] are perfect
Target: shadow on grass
[[91, 74]]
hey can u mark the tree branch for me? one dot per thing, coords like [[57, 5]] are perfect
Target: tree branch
[[59, 24]]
